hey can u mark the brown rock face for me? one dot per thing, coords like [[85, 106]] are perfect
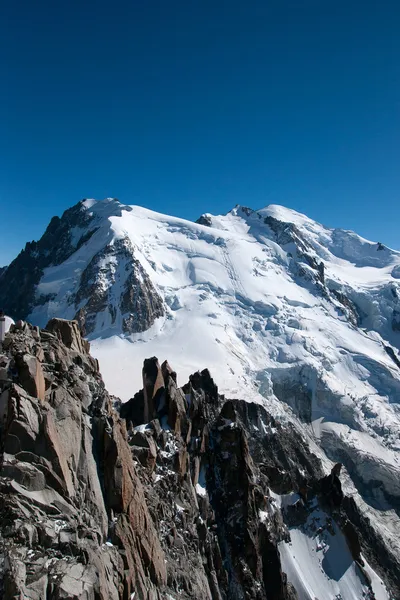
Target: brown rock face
[[31, 375], [153, 387], [168, 372], [134, 532], [68, 333], [68, 483], [144, 448], [176, 405]]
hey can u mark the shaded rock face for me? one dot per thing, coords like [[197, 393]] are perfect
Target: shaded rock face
[[177, 499], [287, 233], [74, 520], [358, 531], [396, 320], [61, 238], [115, 267], [205, 220], [349, 308]]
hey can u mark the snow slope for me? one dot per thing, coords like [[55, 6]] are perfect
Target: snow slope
[[318, 563], [281, 310]]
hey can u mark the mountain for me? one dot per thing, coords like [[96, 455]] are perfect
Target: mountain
[[184, 495], [286, 313]]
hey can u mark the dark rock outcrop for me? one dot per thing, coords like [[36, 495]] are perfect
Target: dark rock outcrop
[[389, 350], [205, 220], [153, 388], [287, 233], [349, 308], [211, 487]]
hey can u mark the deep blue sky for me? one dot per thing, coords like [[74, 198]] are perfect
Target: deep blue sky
[[192, 106]]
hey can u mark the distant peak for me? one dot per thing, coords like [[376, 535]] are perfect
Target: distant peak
[[104, 208], [282, 213], [88, 202], [240, 210]]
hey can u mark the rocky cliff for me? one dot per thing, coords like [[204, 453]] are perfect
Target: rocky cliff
[[178, 493]]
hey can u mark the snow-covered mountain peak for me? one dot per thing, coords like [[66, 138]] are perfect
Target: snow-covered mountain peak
[[287, 215], [103, 209], [277, 211]]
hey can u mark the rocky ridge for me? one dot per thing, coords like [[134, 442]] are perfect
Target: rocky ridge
[[184, 494]]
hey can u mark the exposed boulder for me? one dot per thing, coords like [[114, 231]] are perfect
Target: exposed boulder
[[69, 334], [205, 220], [144, 448]]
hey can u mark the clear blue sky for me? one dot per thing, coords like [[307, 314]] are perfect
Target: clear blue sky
[[192, 106]]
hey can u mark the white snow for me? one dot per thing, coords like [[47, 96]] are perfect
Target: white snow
[[263, 515], [319, 564], [201, 491], [142, 428], [201, 487]]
